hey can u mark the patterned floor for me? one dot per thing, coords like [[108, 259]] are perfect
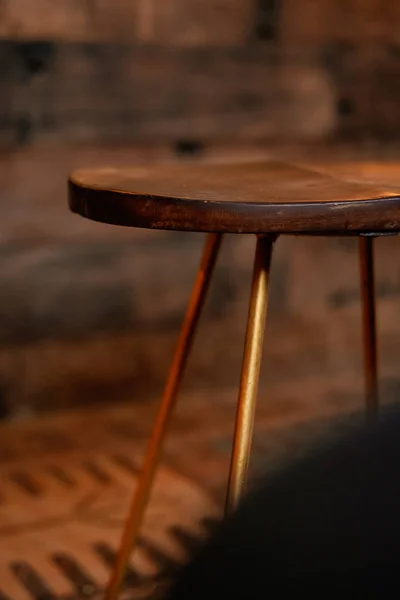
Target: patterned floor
[[62, 504], [66, 481]]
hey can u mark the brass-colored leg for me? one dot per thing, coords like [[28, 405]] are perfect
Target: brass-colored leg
[[369, 326], [154, 448], [250, 372]]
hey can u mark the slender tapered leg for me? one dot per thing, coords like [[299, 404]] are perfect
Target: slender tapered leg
[[369, 326], [153, 453], [250, 372]]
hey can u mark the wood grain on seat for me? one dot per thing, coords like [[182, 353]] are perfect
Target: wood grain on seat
[[256, 197]]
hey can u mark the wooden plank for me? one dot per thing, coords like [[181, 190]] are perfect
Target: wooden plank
[[100, 92], [305, 21], [332, 21], [44, 19], [176, 22], [200, 23]]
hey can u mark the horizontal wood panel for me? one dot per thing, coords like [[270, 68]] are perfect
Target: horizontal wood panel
[[202, 22], [331, 21], [176, 22], [96, 92], [100, 92]]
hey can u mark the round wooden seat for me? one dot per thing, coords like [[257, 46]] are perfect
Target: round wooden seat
[[262, 197]]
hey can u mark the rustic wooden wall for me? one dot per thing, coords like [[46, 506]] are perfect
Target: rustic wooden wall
[[133, 70], [90, 313]]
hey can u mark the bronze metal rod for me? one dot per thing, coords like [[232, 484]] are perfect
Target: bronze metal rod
[[250, 372], [153, 453], [369, 326]]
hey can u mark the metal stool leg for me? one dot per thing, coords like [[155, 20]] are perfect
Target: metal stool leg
[[153, 453], [250, 372], [369, 326]]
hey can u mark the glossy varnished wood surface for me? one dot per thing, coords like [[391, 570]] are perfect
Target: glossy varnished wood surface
[[256, 197]]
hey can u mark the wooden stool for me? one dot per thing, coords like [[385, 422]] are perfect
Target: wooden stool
[[267, 199]]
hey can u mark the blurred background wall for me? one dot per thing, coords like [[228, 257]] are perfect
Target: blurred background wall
[[90, 313]]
